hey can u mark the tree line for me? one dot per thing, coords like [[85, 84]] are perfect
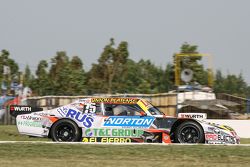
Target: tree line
[[114, 72]]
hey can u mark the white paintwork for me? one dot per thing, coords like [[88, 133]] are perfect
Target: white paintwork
[[242, 127]]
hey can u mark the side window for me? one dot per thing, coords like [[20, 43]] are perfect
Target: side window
[[108, 110], [122, 109], [98, 109], [134, 110]]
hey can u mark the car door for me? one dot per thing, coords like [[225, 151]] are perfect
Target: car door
[[117, 123]]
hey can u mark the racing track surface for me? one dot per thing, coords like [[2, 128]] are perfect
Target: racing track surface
[[80, 143]]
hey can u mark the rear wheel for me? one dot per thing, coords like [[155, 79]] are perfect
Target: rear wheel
[[189, 132], [65, 131]]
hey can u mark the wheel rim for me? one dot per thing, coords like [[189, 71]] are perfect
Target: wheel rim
[[189, 134], [65, 132]]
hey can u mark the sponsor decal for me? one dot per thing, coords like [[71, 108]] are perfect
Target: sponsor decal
[[126, 121], [193, 115], [107, 139], [135, 133], [215, 142], [142, 105], [89, 139], [85, 119], [84, 101], [211, 136], [211, 129], [227, 128], [41, 114], [16, 110], [217, 131], [62, 111], [233, 133], [89, 108], [20, 108], [29, 117], [145, 105], [29, 123], [114, 100], [86, 108], [224, 138]]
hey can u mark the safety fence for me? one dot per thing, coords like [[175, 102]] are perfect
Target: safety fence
[[243, 106], [5, 117]]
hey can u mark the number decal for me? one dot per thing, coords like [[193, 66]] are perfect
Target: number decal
[[89, 108]]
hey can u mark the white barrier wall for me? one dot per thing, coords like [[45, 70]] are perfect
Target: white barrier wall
[[242, 127]]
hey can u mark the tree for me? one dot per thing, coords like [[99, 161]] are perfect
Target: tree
[[6, 61], [27, 77], [42, 85], [115, 72], [231, 84], [76, 63], [219, 81], [150, 76], [105, 76], [64, 77], [130, 79], [144, 77], [12, 66], [59, 62], [168, 78], [58, 72], [76, 77]]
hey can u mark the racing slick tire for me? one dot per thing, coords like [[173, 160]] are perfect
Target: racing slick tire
[[65, 130], [189, 132]]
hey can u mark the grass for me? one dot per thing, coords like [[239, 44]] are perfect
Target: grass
[[245, 141], [10, 133], [26, 154], [42, 154]]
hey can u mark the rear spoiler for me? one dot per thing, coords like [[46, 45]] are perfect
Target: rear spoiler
[[16, 110]]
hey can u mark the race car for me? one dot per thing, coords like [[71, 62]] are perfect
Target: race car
[[117, 120]]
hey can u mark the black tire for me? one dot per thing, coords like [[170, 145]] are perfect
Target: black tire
[[189, 132], [65, 130]]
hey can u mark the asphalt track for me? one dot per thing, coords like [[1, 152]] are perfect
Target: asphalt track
[[80, 143]]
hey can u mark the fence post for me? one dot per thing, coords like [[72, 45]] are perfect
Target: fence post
[[6, 117], [248, 106]]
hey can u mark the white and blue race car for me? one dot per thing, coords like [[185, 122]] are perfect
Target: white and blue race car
[[117, 120]]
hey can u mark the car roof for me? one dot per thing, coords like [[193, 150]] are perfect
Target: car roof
[[111, 100], [115, 100]]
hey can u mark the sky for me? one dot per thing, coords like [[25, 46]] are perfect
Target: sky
[[33, 30]]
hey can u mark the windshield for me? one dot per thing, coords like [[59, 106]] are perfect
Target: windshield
[[155, 111]]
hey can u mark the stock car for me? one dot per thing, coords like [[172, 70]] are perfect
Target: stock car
[[117, 120]]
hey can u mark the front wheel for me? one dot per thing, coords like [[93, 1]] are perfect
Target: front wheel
[[65, 131], [189, 132]]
